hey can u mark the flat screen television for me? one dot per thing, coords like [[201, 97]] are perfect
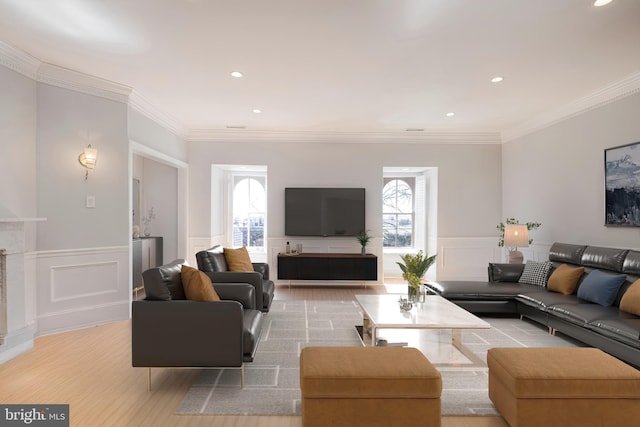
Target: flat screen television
[[324, 211]]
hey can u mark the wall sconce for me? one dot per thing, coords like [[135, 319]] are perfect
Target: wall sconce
[[88, 159], [516, 235]]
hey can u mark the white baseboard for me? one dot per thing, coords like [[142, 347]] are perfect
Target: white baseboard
[[16, 343], [85, 317]]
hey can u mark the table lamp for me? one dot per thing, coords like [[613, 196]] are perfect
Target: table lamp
[[516, 235]]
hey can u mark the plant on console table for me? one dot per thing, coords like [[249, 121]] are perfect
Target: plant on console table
[[363, 238], [414, 269]]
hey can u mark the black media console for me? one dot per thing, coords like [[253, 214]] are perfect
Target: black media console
[[327, 266]]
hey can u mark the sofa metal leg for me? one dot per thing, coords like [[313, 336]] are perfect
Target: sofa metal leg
[[242, 376], [149, 379]]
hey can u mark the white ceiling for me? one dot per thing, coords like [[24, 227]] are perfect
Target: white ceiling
[[339, 65]]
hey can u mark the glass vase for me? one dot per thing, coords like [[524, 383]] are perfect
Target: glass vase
[[418, 294], [412, 293]]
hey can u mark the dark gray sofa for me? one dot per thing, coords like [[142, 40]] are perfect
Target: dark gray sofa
[[212, 262], [170, 331], [605, 327]]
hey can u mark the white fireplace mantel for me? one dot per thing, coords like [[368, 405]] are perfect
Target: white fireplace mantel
[[16, 326]]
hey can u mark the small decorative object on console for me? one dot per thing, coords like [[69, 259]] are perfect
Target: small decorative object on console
[[363, 238], [405, 304], [146, 220]]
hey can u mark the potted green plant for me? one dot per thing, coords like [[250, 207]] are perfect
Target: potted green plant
[[363, 238], [413, 270]]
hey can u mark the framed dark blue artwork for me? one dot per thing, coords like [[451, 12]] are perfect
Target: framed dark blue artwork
[[622, 185]]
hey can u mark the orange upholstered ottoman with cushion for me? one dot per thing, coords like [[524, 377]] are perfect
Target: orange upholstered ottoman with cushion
[[368, 386], [563, 387]]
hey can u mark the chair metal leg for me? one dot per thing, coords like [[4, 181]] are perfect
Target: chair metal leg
[[242, 376]]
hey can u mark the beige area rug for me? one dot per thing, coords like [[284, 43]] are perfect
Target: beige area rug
[[272, 384]]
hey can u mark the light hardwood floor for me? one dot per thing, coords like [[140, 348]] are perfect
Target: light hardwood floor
[[90, 369]]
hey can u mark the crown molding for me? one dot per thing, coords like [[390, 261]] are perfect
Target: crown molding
[[606, 95], [29, 66], [422, 137], [55, 75], [147, 109], [80, 82], [19, 61]]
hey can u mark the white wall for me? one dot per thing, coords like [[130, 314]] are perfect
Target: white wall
[[160, 164], [145, 131], [469, 193], [67, 122], [82, 268], [160, 191], [556, 176], [17, 146]]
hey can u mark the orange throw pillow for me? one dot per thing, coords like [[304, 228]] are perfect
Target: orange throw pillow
[[197, 285], [630, 301], [238, 259], [564, 279]]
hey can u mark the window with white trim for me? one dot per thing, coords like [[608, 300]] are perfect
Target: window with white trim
[[249, 203], [398, 212]]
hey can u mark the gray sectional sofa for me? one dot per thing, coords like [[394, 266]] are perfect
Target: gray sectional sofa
[[600, 325]]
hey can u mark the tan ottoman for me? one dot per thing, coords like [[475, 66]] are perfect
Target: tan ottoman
[[563, 387], [368, 386]]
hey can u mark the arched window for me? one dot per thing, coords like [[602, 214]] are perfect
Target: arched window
[[249, 207], [397, 213]]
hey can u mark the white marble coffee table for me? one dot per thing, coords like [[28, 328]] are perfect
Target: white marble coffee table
[[383, 312]]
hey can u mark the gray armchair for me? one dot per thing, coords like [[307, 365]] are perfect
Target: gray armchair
[[214, 264], [170, 331]]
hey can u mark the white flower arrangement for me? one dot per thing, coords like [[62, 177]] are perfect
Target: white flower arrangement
[[150, 216]]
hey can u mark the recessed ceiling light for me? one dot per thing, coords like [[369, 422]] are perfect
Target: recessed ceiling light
[[236, 74], [497, 79], [451, 114], [257, 111], [599, 3]]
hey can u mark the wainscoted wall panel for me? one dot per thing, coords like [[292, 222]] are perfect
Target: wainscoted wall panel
[[466, 258], [82, 287], [97, 279], [538, 251]]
